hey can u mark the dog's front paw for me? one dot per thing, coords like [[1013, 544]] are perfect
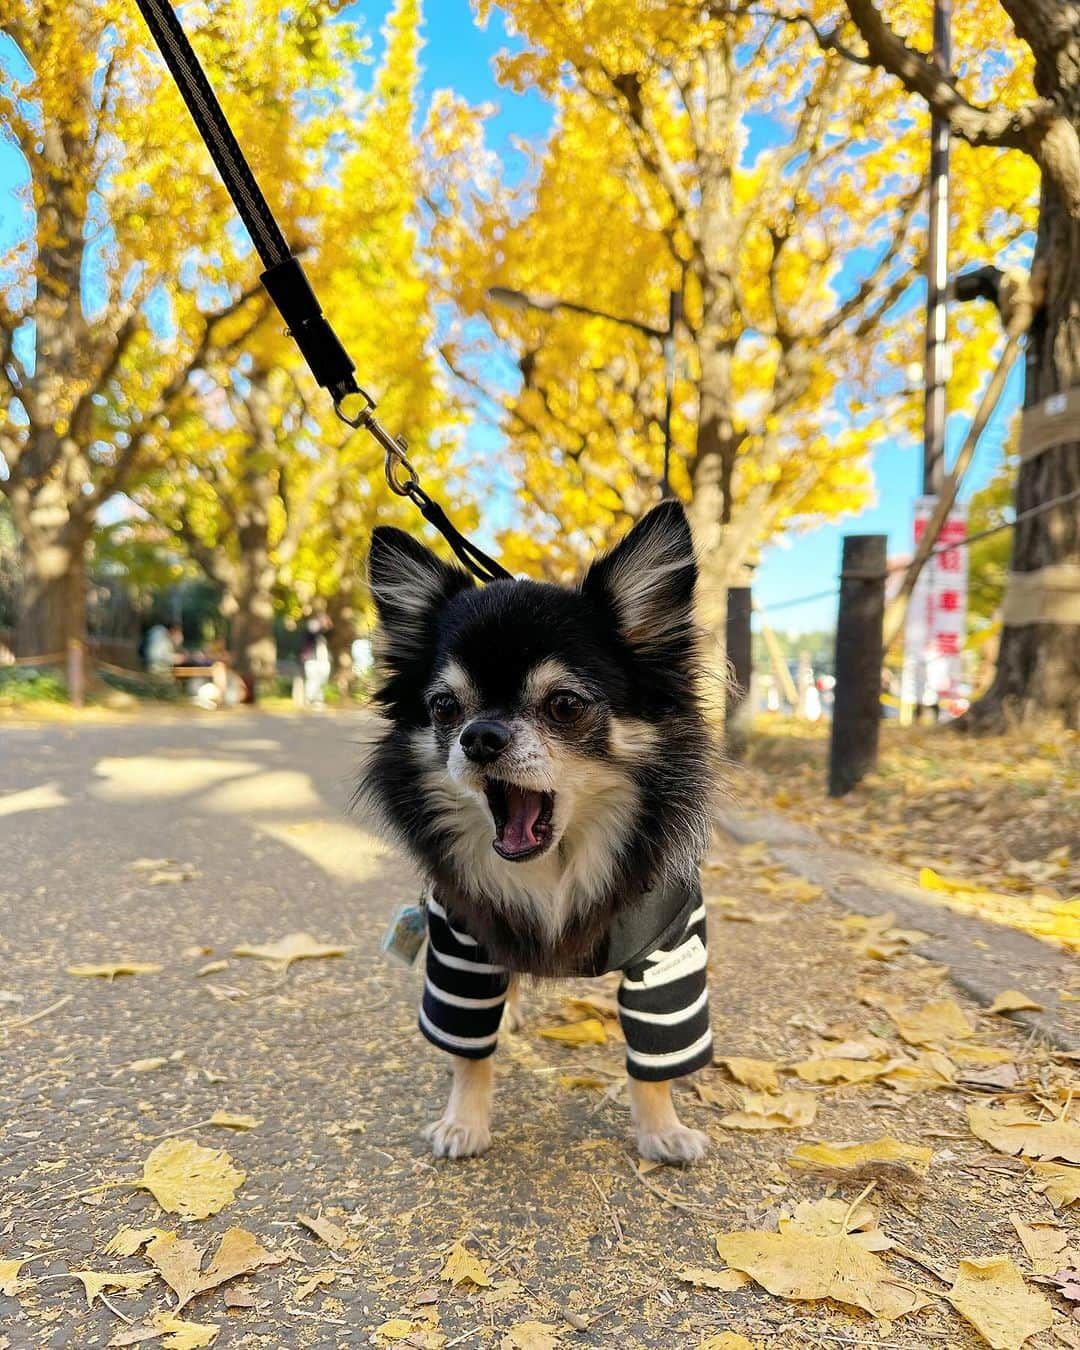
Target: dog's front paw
[[458, 1138], [676, 1144]]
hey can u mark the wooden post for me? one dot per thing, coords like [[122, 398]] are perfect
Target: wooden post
[[76, 681], [859, 653], [736, 705]]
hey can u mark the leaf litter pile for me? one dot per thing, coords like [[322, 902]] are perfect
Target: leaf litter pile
[[889, 1165]]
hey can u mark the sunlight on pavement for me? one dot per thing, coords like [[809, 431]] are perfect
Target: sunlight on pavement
[[141, 776], [278, 791], [342, 850], [33, 799]]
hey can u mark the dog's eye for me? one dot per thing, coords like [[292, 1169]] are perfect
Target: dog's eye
[[565, 707], [444, 709]]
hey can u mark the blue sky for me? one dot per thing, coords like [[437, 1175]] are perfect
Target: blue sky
[[461, 55]]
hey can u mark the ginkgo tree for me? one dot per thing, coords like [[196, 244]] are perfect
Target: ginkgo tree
[[127, 273], [265, 487], [1016, 89], [720, 153]]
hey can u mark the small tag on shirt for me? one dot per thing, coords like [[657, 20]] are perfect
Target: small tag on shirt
[[404, 938], [685, 959]]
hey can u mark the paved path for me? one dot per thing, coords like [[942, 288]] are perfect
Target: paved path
[[326, 1058]]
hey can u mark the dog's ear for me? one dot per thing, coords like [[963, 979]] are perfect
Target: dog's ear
[[408, 584], [649, 580]]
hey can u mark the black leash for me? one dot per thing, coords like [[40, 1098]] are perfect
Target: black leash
[[289, 288]]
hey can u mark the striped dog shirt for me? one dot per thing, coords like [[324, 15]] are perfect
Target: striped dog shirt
[[663, 999]]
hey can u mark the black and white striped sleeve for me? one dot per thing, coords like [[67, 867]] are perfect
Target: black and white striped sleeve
[[664, 1007], [464, 992]]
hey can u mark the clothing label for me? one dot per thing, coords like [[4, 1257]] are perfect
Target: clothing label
[[404, 938], [685, 959]]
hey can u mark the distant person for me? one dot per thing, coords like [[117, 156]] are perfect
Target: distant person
[[315, 659], [164, 648]]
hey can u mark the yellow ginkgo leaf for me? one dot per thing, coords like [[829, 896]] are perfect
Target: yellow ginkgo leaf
[[1013, 1130], [886, 1152], [933, 1025], [589, 1032], [111, 969], [9, 1276], [833, 1218], [228, 1121], [702, 1277], [397, 1329], [531, 1336], [462, 1267], [991, 1294], [292, 947], [800, 1266], [930, 1070], [179, 1262], [757, 1074], [930, 880], [769, 1111], [727, 1340], [1046, 1245], [189, 1180], [1060, 1184], [180, 1335], [320, 1279], [96, 1282], [1012, 1000], [128, 1240], [843, 1070]]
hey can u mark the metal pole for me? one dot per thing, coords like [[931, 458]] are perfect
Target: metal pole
[[674, 315], [860, 621], [937, 272]]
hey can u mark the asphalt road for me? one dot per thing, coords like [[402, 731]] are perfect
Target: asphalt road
[[253, 809]]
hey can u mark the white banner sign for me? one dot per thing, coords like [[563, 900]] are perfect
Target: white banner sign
[[937, 614]]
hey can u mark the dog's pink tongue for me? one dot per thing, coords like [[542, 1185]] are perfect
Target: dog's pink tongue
[[523, 806]]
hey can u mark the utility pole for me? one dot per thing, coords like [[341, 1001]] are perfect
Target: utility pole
[[937, 271], [674, 315]]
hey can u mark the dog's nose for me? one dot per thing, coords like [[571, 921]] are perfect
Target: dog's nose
[[484, 741]]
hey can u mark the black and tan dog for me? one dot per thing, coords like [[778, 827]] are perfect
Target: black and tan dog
[[546, 763]]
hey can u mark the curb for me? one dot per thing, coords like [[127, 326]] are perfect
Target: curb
[[983, 958]]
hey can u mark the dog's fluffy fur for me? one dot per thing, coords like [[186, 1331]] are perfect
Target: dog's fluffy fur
[[629, 778]]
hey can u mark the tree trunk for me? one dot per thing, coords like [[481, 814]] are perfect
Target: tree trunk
[[343, 632], [1038, 668], [52, 596]]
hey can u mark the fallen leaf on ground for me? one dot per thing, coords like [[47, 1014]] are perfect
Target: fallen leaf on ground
[[886, 1152], [179, 1262], [212, 968], [992, 1296], [189, 1180], [1060, 1184], [9, 1276], [864, 1047], [292, 947], [703, 1278], [96, 1282], [589, 1032], [1012, 1000], [1067, 1283], [318, 1280], [335, 1237], [766, 1111], [799, 889], [397, 1328], [150, 864], [799, 1266], [996, 1078], [1046, 1245], [597, 1006], [1014, 1130], [757, 1074], [231, 1122], [170, 876], [836, 1218], [148, 1065], [462, 1266], [934, 1024], [110, 970], [928, 1071], [843, 1070], [981, 1054], [930, 880], [178, 1334], [727, 1340], [531, 1336], [580, 1080]]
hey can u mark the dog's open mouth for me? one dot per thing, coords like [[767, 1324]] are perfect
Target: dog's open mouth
[[522, 819]]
